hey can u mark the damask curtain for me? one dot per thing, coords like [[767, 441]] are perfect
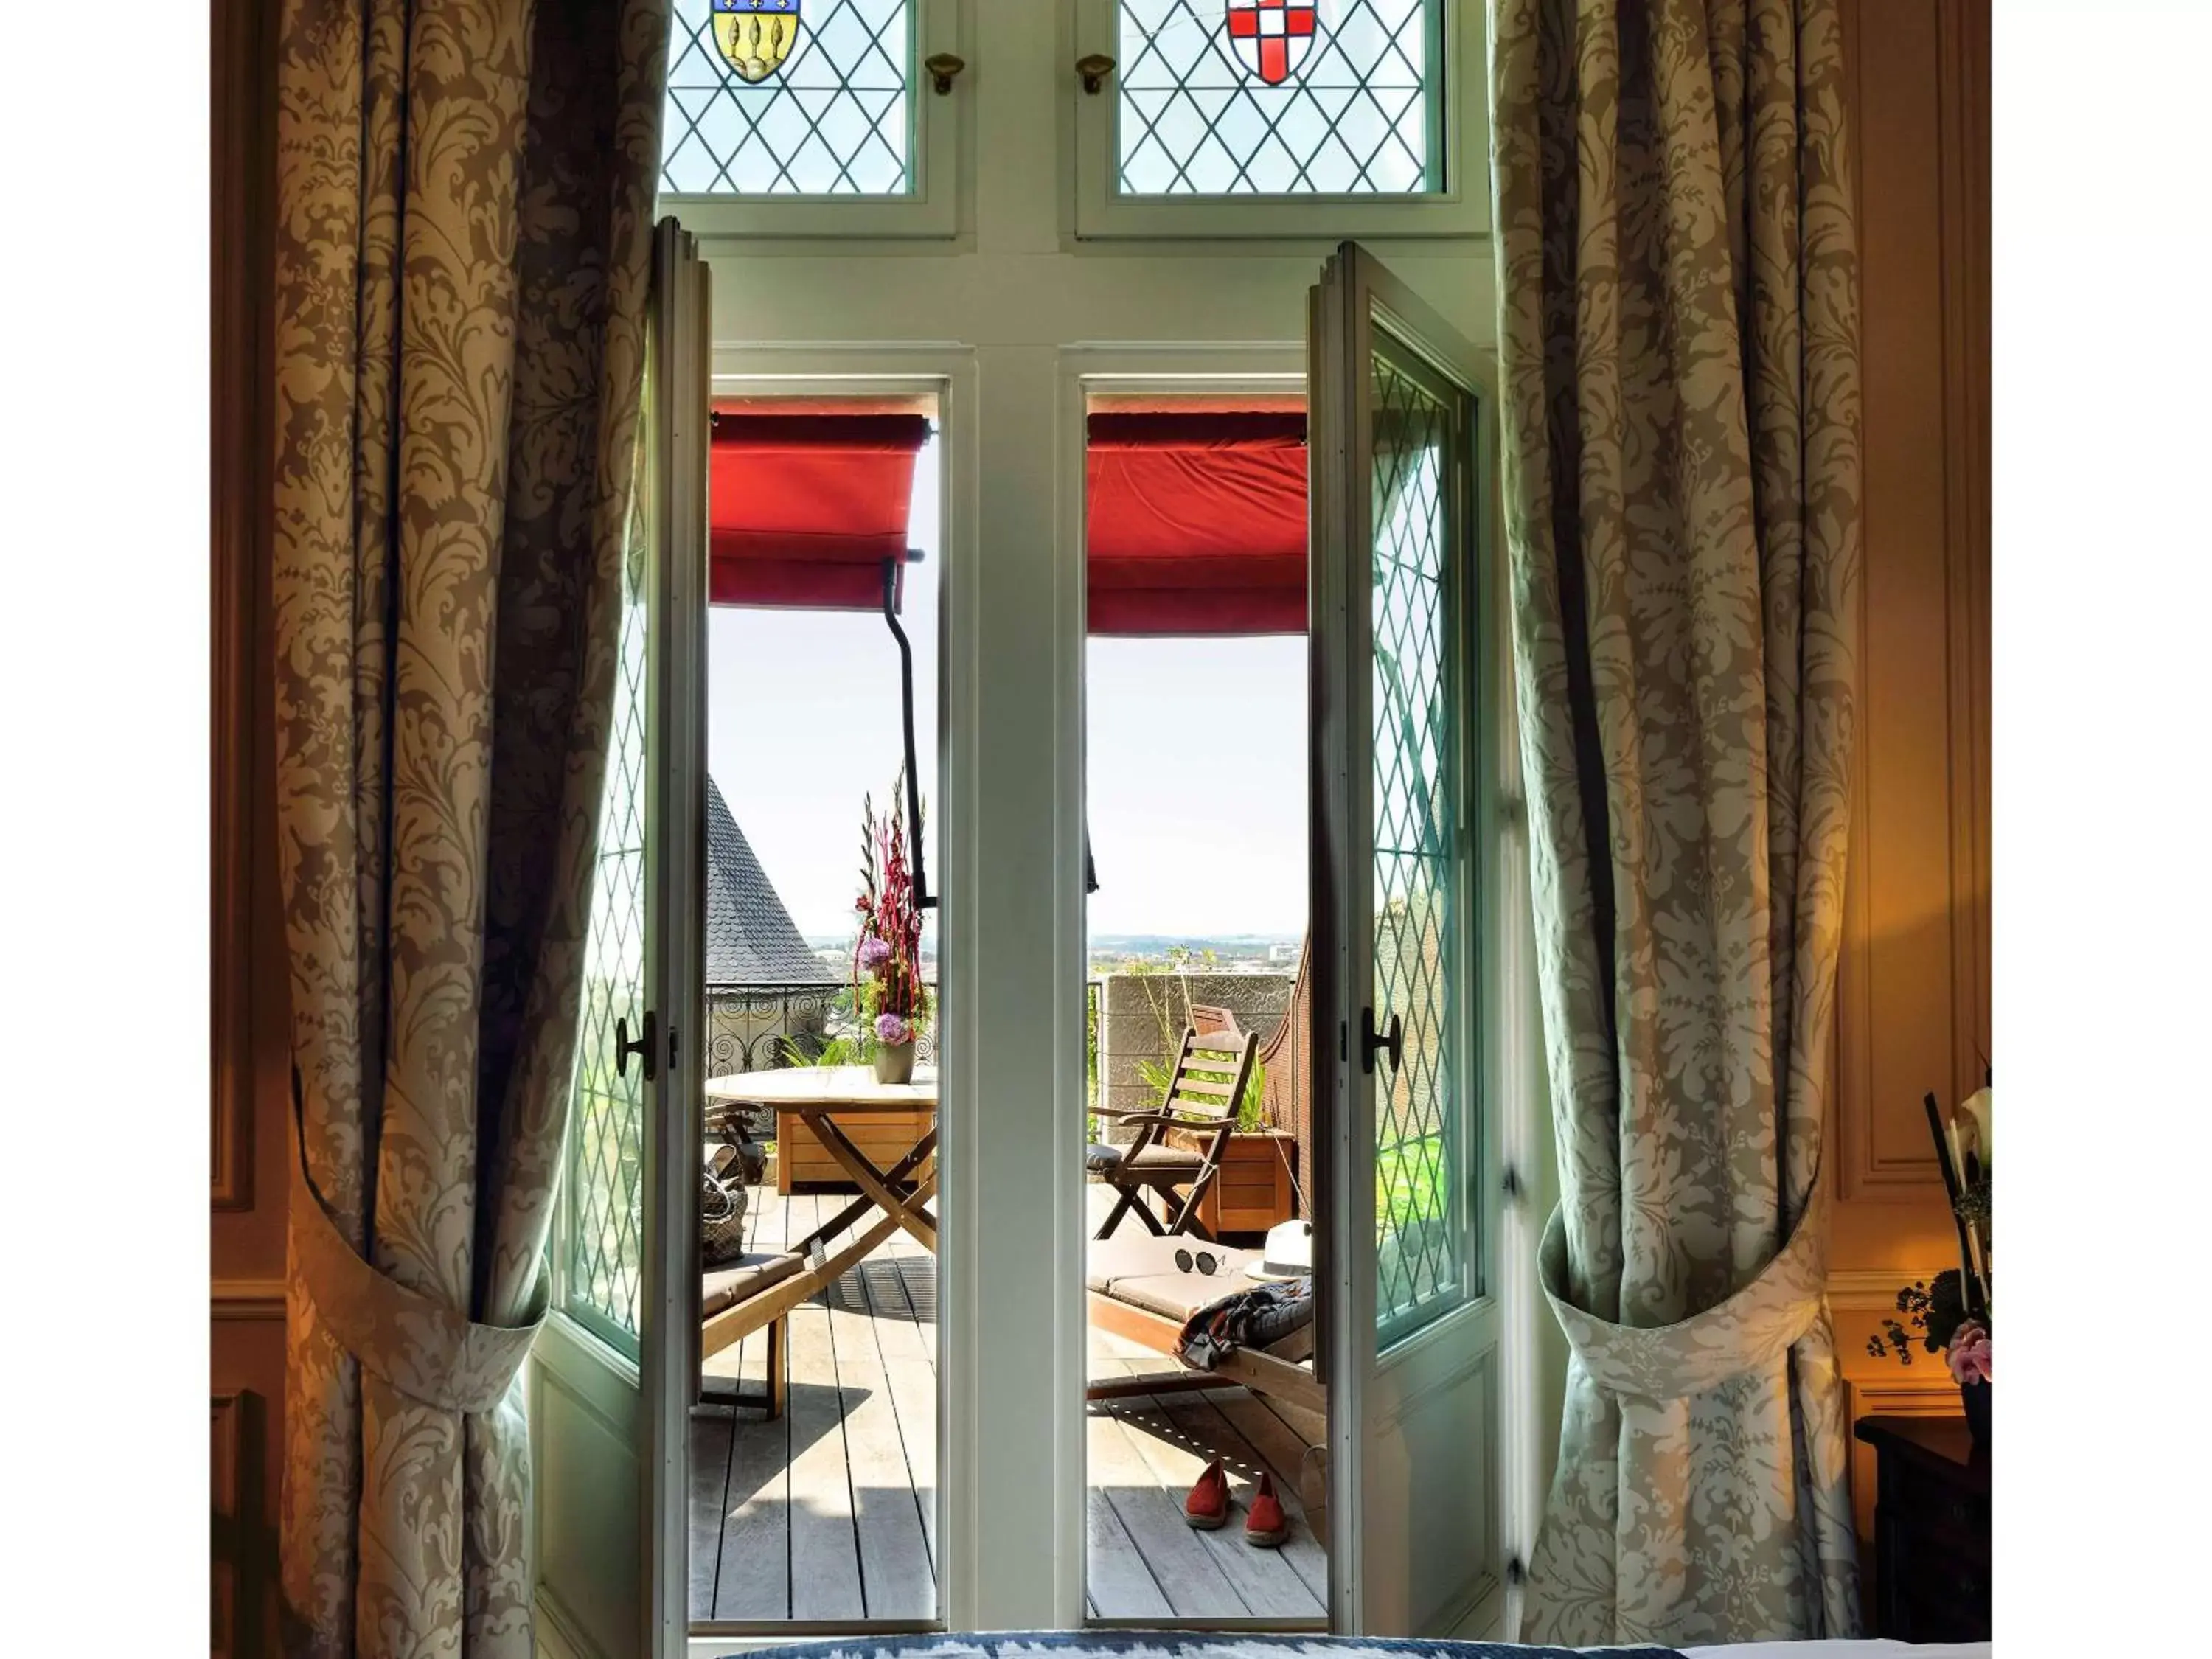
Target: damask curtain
[[464, 191], [1678, 337]]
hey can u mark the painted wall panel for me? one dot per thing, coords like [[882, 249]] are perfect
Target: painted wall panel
[[1914, 1007]]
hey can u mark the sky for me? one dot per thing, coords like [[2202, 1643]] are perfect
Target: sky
[[802, 716]]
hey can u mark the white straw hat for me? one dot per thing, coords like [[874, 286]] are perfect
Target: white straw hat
[[1288, 1252]]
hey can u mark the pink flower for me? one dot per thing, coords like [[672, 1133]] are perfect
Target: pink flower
[[874, 953], [893, 1028], [1968, 1353]]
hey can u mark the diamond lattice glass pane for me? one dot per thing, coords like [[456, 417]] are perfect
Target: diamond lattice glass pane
[[789, 98], [1277, 97], [603, 1191], [1418, 1137]]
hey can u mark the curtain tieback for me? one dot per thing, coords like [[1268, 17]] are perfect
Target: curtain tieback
[[1750, 1332], [414, 1342]]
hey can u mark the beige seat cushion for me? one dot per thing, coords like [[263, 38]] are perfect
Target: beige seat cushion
[[1165, 1160], [731, 1283], [1140, 1270]]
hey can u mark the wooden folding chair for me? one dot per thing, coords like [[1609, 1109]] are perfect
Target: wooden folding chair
[[1211, 1073]]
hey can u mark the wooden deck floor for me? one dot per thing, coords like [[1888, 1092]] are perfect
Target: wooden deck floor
[[829, 1512]]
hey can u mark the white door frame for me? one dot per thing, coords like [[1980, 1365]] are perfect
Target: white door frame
[[1371, 1391], [1010, 783], [1276, 366], [948, 374]]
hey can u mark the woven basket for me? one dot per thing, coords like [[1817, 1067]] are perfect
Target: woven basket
[[722, 1203]]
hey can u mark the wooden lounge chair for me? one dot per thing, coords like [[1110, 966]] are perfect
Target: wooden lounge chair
[[1134, 1289], [1210, 1075]]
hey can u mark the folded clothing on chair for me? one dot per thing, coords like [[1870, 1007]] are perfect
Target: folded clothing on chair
[[1258, 1316]]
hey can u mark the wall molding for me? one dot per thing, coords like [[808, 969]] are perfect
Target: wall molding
[[242, 1545], [242, 211], [561, 1634], [246, 1298], [1962, 91], [1873, 1290], [1932, 65]]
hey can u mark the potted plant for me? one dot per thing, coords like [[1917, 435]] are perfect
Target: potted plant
[[888, 992], [1952, 1315]]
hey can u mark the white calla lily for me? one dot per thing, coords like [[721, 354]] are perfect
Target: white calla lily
[[1975, 1107]]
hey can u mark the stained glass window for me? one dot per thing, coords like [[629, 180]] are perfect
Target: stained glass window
[[1277, 97], [789, 98]]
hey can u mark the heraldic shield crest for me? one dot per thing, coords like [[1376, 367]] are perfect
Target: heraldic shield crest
[[756, 36], [1271, 38]]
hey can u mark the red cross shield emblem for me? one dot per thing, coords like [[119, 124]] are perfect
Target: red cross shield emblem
[[1271, 37]]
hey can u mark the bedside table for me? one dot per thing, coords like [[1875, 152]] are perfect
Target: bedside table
[[1931, 1529]]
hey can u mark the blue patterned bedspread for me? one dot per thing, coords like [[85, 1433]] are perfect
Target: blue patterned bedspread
[[1170, 1645]]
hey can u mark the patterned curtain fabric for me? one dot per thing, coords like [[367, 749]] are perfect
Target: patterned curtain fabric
[[465, 196], [1679, 344]]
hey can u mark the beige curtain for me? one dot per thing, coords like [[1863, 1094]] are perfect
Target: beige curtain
[[1677, 280], [464, 191]]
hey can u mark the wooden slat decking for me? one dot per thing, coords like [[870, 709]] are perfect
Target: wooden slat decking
[[830, 1514]]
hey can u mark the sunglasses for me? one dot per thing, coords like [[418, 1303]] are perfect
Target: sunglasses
[[1201, 1261]]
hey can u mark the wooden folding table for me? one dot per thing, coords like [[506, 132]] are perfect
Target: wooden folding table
[[808, 1100]]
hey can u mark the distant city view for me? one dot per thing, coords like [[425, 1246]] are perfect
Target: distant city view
[[1235, 953]]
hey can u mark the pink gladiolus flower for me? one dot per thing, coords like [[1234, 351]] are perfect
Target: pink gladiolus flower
[[1968, 1353], [874, 953], [893, 1028]]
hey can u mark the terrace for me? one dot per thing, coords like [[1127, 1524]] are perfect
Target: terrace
[[828, 1512]]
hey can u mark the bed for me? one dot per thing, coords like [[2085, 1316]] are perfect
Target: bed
[[1201, 1644]]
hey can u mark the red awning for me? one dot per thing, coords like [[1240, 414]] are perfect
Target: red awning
[[804, 505], [1196, 523]]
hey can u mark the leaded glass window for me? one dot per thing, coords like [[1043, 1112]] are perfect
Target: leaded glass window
[[603, 1193], [789, 98], [1277, 97], [1419, 1131]]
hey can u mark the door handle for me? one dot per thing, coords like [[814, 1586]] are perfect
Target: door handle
[[1370, 1040], [643, 1047]]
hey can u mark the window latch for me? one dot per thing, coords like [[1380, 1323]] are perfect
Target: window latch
[[1370, 1040], [645, 1048]]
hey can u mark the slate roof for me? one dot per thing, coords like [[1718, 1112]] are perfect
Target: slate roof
[[751, 940]]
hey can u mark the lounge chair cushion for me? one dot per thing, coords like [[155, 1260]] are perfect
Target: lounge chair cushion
[[1140, 1270], [1099, 1157], [727, 1286]]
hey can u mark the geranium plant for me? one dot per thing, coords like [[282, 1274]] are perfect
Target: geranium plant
[[888, 990]]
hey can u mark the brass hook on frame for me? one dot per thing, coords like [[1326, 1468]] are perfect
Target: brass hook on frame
[[942, 67]]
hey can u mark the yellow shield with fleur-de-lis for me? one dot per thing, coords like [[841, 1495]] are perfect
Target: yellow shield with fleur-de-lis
[[756, 36]]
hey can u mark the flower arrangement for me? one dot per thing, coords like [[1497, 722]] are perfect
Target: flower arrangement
[[888, 992], [1951, 1315]]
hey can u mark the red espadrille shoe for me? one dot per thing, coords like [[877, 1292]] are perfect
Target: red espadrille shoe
[[1266, 1526], [1207, 1506]]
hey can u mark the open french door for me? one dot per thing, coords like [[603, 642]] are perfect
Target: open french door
[[609, 1401], [1405, 679]]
